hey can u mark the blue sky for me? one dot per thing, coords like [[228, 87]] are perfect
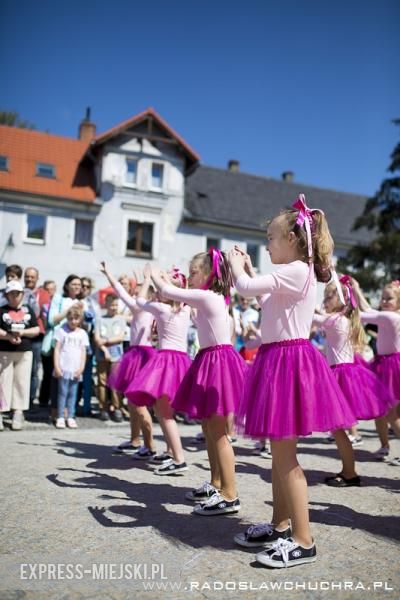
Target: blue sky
[[303, 85]]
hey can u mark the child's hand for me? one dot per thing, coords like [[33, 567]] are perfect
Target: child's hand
[[237, 257], [78, 374], [15, 338], [147, 271], [57, 373], [107, 355], [103, 267], [156, 271]]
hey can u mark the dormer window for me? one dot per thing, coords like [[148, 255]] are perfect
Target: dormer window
[[131, 171], [157, 175], [3, 163], [45, 170]]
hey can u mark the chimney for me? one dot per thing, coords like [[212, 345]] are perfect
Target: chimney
[[233, 165], [87, 129], [288, 176]]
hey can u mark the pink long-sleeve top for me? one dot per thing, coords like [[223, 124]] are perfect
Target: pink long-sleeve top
[[288, 299], [142, 322], [172, 326], [212, 318], [388, 322], [338, 346]]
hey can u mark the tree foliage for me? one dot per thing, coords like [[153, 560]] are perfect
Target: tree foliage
[[379, 262], [12, 119]]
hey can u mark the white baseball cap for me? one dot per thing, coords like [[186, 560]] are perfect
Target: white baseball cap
[[13, 286]]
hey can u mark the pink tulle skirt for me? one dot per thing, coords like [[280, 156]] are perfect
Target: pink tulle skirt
[[161, 376], [214, 383], [124, 372], [292, 392], [387, 368], [366, 394]]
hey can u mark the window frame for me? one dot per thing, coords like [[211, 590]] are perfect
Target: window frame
[[256, 264], [129, 159], [45, 165], [6, 163], [135, 253], [162, 165], [77, 245], [217, 246], [31, 240]]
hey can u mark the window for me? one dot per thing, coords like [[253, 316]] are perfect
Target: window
[[213, 243], [140, 239], [45, 170], [157, 175], [252, 251], [35, 228], [131, 171], [3, 163], [83, 235]]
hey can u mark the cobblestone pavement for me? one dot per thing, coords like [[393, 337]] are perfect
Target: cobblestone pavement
[[80, 521]]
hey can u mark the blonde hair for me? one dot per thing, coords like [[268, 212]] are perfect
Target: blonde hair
[[357, 336], [394, 286], [74, 311], [219, 285], [322, 242]]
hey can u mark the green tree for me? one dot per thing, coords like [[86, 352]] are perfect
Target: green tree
[[12, 119], [379, 262]]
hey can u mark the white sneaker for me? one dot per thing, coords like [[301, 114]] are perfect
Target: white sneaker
[[17, 421], [60, 423], [72, 424]]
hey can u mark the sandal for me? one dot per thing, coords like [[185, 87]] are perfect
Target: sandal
[[340, 481]]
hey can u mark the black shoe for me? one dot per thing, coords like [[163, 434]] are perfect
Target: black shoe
[[171, 468], [143, 454], [160, 459], [125, 448], [340, 481], [286, 553], [104, 416], [217, 505], [116, 416], [261, 534], [202, 493]]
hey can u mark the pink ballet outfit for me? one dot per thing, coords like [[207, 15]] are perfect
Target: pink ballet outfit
[[164, 372], [386, 364], [213, 385], [140, 350], [365, 393], [290, 390]]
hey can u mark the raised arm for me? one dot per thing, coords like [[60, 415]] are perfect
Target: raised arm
[[126, 298], [195, 298]]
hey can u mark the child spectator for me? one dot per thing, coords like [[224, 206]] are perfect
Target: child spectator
[[69, 362], [109, 335]]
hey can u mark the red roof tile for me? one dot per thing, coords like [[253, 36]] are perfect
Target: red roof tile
[[25, 148]]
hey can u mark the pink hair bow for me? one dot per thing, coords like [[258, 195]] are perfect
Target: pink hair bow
[[305, 218], [216, 258], [176, 273], [346, 281]]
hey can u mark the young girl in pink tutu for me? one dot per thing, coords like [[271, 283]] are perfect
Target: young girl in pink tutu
[[386, 365], [134, 359], [366, 395], [213, 385], [158, 381], [290, 391]]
